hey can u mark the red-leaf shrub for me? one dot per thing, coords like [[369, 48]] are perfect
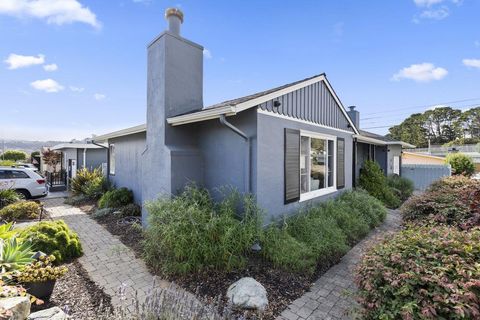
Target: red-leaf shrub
[[422, 273], [451, 201]]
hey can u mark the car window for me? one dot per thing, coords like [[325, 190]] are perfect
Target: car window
[[4, 174], [15, 174]]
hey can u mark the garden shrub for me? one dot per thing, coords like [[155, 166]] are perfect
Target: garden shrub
[[8, 196], [20, 211], [116, 198], [286, 252], [436, 207], [454, 183], [365, 205], [89, 181], [422, 273], [374, 182], [461, 164], [189, 233], [54, 238], [353, 224], [450, 201], [320, 233], [131, 209], [96, 187], [403, 187]]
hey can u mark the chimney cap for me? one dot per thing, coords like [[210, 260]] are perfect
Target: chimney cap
[[174, 12], [352, 108]]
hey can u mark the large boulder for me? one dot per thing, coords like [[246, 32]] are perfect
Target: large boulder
[[17, 307], [247, 293], [54, 313]]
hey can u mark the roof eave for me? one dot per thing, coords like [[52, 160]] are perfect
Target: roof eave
[[120, 133], [203, 115], [402, 143]]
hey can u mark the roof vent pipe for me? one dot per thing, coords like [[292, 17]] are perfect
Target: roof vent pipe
[[175, 18]]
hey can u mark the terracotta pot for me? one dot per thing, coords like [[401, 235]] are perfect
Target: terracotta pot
[[42, 290]]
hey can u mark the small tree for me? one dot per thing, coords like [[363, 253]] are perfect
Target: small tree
[[461, 164], [14, 155], [51, 158]]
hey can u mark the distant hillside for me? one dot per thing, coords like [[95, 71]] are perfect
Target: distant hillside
[[27, 146]]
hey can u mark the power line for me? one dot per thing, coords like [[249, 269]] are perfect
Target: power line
[[425, 106], [380, 127]]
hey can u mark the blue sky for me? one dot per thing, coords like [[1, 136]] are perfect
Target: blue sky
[[389, 58]]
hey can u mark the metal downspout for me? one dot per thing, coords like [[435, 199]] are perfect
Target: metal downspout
[[239, 132]]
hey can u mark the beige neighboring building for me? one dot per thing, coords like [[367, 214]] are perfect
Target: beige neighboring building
[[420, 158]]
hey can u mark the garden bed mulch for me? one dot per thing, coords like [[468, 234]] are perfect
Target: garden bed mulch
[[282, 287], [77, 295]]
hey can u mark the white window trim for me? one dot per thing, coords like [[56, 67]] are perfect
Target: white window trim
[[325, 191]]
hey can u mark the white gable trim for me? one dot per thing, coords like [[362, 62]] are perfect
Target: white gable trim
[[214, 113], [281, 116]]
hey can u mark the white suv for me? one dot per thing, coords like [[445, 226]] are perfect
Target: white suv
[[25, 181]]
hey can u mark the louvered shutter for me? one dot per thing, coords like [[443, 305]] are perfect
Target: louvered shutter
[[340, 163], [292, 165]]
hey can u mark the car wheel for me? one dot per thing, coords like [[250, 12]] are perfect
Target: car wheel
[[24, 193]]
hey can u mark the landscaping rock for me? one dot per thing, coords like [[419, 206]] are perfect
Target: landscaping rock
[[247, 293], [18, 306], [54, 313]]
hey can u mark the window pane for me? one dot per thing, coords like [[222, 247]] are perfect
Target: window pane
[[331, 163], [318, 159], [304, 163]]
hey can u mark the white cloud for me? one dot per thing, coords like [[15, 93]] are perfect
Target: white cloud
[[207, 54], [99, 96], [435, 14], [50, 67], [47, 85], [473, 63], [76, 89], [427, 3], [16, 61], [423, 72], [53, 11]]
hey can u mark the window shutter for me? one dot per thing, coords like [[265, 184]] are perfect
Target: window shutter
[[340, 163], [292, 165]]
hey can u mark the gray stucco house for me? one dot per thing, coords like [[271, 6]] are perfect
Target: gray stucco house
[[289, 146]]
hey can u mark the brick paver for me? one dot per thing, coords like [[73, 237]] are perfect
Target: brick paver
[[109, 263], [332, 295]]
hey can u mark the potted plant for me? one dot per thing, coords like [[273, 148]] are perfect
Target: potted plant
[[39, 277]]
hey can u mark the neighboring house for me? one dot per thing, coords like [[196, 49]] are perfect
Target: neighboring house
[[289, 146], [421, 158], [471, 150], [77, 155]]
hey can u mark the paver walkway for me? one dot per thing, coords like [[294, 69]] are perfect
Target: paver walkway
[[109, 263], [331, 297]]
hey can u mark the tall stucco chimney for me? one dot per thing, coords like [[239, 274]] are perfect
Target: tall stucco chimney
[[174, 87], [354, 115]]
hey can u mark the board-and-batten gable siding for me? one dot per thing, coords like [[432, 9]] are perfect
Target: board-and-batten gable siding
[[313, 103]]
